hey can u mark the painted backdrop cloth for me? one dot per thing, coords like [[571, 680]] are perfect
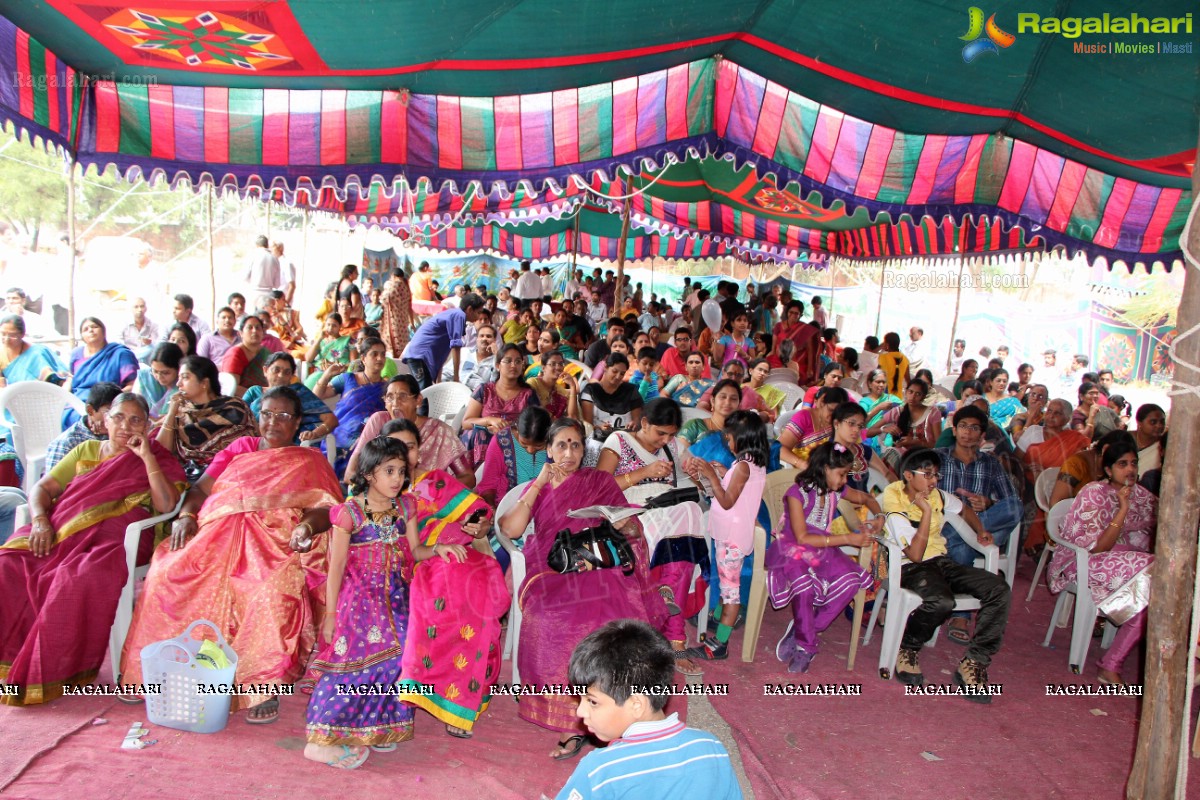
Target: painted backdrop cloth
[[56, 611], [368, 638], [115, 363], [454, 609], [559, 610], [240, 572]]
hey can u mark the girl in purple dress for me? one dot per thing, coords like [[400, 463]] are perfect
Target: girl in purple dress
[[372, 548], [805, 566]]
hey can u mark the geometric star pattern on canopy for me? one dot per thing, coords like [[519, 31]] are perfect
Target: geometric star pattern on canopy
[[206, 39]]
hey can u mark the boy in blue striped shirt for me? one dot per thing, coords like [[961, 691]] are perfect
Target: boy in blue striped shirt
[[628, 669]]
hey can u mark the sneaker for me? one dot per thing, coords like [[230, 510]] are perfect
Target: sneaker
[[972, 674], [787, 645], [710, 650], [801, 660], [668, 597], [908, 668]]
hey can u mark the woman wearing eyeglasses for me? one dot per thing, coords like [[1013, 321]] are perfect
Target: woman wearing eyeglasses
[[495, 406], [243, 553], [63, 574]]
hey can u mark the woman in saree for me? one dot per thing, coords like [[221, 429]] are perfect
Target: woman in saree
[[316, 420], [455, 606], [396, 322], [245, 554], [831, 376], [644, 463], [440, 448], [1114, 518], [1151, 429], [513, 331], [515, 455], [494, 406], [911, 425], [687, 389], [96, 360], [1002, 406], [772, 396], [967, 372], [1084, 418], [699, 433], [63, 575], [802, 335], [1046, 446], [877, 402], [558, 610], [557, 392], [362, 396], [810, 427], [247, 360], [22, 361], [157, 382], [200, 422], [333, 347], [1035, 400]]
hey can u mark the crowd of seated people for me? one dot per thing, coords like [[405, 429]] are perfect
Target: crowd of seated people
[[597, 398]]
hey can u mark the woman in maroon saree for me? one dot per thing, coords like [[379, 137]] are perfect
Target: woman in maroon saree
[[558, 611], [64, 573]]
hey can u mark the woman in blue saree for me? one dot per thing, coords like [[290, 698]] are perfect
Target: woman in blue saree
[[362, 396], [22, 361], [96, 360]]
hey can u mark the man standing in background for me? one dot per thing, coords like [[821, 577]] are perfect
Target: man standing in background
[[287, 273], [262, 273]]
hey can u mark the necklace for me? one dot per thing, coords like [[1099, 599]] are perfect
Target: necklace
[[384, 521]]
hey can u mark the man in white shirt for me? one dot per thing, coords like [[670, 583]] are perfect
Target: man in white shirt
[[868, 359], [960, 355], [917, 349], [597, 312], [36, 327], [574, 285], [529, 285], [287, 273], [262, 273], [142, 332], [547, 286]]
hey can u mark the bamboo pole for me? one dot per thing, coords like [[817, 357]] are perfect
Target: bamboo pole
[[879, 312], [212, 269], [1161, 755], [618, 298], [70, 169], [962, 264]]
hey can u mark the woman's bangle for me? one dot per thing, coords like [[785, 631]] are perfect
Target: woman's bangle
[[188, 515]]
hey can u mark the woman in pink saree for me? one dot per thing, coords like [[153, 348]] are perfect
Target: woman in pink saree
[[252, 519], [559, 610], [454, 607], [62, 575]]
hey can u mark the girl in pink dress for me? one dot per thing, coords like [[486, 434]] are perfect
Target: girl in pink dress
[[1114, 518]]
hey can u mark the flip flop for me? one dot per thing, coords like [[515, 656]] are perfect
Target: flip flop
[[459, 733], [348, 759], [255, 715], [958, 635], [390, 747], [668, 597], [579, 739], [685, 655]]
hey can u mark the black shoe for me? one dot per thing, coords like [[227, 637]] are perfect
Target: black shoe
[[710, 650]]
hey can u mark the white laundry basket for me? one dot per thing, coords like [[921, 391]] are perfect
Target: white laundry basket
[[173, 664]]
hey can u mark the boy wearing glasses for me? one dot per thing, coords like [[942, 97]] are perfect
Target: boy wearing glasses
[[928, 571]]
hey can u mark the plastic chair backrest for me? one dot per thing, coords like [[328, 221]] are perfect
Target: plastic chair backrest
[[794, 394], [508, 501], [779, 377], [1043, 488], [778, 482], [446, 399], [782, 420], [228, 383], [876, 482], [1055, 517], [36, 408]]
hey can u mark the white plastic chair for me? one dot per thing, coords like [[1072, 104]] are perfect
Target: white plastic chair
[[876, 482], [447, 401], [690, 414], [1007, 563], [783, 376], [512, 638], [782, 420], [1085, 608], [902, 602], [228, 382], [794, 395], [1043, 488], [36, 409]]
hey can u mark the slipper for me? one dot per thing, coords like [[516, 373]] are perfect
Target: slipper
[[348, 759], [958, 635], [684, 655], [579, 739], [265, 714], [1103, 681], [390, 747], [130, 699], [459, 733], [668, 597]]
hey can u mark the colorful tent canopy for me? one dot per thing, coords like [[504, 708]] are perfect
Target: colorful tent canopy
[[862, 118]]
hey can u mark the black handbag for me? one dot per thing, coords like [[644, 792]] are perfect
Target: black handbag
[[600, 547], [673, 497]]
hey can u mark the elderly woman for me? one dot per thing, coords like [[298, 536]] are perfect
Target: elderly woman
[[97, 360], [810, 427], [1035, 400], [244, 553], [440, 448], [494, 406], [200, 422], [1114, 519], [1043, 447], [22, 361], [157, 382], [644, 463], [63, 574], [316, 421], [911, 425], [247, 360], [558, 610]]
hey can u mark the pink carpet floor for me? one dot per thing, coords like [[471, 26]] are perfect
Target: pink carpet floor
[[882, 744]]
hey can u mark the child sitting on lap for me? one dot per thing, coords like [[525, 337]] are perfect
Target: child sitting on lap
[[628, 668]]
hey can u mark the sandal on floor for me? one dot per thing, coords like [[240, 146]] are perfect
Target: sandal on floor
[[579, 740], [685, 655], [390, 747], [349, 759], [130, 699], [1103, 681], [459, 733], [668, 597], [265, 714], [958, 635]]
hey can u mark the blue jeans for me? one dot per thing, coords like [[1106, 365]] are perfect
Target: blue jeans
[[10, 499], [998, 520]]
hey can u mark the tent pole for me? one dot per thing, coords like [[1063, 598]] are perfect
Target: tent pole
[[303, 250], [962, 265], [879, 312], [618, 299], [212, 270], [70, 169], [1166, 697], [832, 281], [575, 242]]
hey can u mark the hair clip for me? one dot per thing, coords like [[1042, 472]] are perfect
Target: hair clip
[[839, 448]]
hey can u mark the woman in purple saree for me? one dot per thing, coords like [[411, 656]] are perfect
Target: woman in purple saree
[[558, 611]]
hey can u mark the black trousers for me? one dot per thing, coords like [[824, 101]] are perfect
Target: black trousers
[[937, 580]]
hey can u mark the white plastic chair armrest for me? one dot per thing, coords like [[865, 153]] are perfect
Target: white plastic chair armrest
[[991, 553]]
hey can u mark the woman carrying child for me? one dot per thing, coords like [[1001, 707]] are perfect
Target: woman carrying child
[[806, 568], [371, 551], [731, 518]]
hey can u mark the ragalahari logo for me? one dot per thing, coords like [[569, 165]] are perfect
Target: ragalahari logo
[[983, 37]]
